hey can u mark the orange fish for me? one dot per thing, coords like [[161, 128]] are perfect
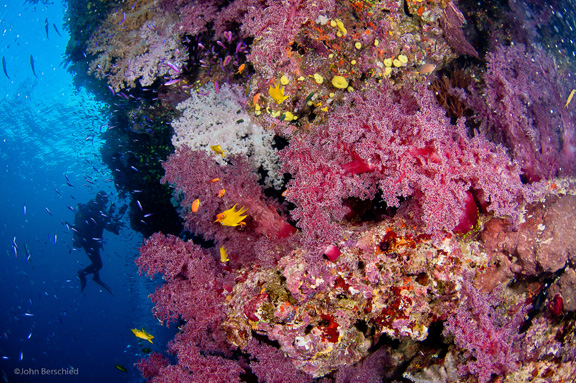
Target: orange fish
[[215, 180], [427, 68], [241, 68], [221, 193], [195, 205], [570, 97]]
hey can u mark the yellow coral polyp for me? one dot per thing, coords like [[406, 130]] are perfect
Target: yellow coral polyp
[[341, 27], [339, 82], [277, 93]]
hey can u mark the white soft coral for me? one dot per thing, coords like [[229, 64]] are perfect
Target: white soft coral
[[210, 118]]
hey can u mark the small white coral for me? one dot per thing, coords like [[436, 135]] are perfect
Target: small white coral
[[210, 118], [445, 373]]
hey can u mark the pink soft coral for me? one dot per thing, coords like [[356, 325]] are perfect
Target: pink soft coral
[[489, 337], [193, 293], [193, 174], [401, 144]]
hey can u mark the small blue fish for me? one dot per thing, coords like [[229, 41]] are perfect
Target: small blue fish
[[28, 254], [32, 65], [46, 27], [56, 29], [4, 66]]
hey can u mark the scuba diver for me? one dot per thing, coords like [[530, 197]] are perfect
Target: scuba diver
[[89, 223]]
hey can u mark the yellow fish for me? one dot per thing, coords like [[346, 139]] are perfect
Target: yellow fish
[[121, 368], [224, 255], [231, 217], [218, 149], [570, 97], [142, 334], [277, 93]]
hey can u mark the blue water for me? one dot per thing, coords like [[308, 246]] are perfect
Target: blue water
[[49, 131]]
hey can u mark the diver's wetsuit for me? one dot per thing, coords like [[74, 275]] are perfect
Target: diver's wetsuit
[[89, 223]]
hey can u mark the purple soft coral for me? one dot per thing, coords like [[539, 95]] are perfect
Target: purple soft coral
[[523, 108]]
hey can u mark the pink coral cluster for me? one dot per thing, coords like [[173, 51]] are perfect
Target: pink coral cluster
[[403, 146], [193, 293], [269, 303], [196, 175]]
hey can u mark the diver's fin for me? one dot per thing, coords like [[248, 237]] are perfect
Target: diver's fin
[[82, 279], [104, 285]]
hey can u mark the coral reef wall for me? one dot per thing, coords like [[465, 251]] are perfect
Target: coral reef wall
[[346, 191]]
